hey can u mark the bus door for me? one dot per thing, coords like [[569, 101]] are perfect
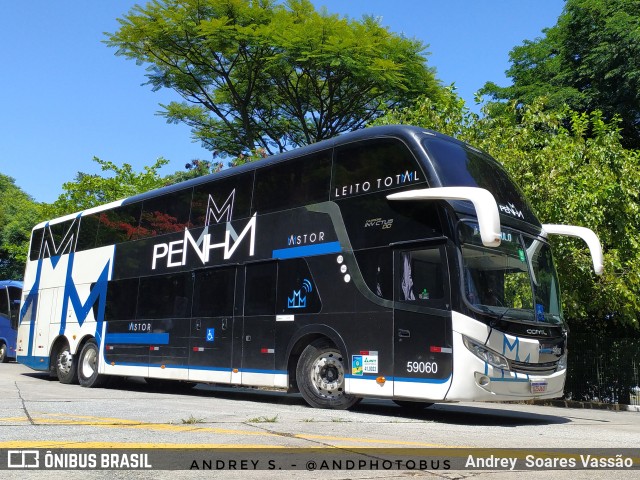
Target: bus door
[[212, 324], [15, 295], [259, 324], [423, 357], [9, 313], [46, 315]]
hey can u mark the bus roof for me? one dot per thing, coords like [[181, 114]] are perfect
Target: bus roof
[[410, 134], [400, 131]]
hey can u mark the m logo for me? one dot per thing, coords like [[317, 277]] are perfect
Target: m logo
[[57, 240], [220, 214], [511, 346], [297, 301]]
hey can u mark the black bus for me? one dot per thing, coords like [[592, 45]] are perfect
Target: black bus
[[392, 262]]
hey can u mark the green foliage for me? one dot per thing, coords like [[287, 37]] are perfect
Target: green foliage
[[574, 170], [261, 74], [18, 214], [448, 114], [193, 169], [590, 60], [89, 190]]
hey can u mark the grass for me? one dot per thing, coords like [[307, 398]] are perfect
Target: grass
[[263, 419], [192, 420]]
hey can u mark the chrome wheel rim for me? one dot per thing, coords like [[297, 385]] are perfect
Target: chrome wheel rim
[[65, 362], [327, 375], [88, 365]]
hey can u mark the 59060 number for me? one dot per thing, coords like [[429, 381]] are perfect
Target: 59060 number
[[422, 367]]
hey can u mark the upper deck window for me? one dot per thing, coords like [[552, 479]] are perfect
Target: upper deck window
[[458, 165], [222, 201], [119, 225], [36, 244], [294, 183], [165, 214], [373, 166], [57, 239]]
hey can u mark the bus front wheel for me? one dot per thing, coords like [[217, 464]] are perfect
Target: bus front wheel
[[88, 375], [320, 374], [3, 353], [66, 365]]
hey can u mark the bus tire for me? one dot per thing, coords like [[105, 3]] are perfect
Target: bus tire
[[320, 375], [66, 365], [88, 375], [3, 353], [411, 405]]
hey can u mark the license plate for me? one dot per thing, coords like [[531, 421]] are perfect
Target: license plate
[[538, 387]]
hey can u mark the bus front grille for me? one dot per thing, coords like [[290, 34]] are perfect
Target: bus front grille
[[533, 368]]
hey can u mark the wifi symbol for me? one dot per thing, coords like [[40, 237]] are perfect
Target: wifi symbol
[[306, 284]]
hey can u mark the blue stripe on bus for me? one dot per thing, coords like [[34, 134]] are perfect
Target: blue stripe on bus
[[219, 369], [307, 250], [403, 379], [422, 380], [198, 367], [138, 338], [505, 379]]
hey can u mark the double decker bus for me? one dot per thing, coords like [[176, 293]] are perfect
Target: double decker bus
[[392, 262]]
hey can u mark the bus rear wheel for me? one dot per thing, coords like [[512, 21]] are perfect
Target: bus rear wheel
[[320, 375], [66, 365], [3, 353], [88, 375]]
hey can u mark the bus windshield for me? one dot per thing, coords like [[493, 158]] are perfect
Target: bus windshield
[[516, 279]]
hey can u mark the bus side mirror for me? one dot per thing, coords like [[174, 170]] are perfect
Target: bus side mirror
[[586, 234], [483, 202]]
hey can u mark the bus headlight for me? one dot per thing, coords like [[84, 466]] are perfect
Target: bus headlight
[[485, 354], [562, 363]]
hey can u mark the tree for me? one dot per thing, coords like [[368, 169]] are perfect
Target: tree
[[193, 169], [261, 74], [89, 190], [18, 215], [574, 170], [590, 60]]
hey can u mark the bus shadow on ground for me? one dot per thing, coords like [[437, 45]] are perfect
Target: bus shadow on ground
[[481, 414]]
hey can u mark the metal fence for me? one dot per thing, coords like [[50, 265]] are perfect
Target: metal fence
[[603, 369]]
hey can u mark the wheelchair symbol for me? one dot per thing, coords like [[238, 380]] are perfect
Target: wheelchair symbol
[[211, 334]]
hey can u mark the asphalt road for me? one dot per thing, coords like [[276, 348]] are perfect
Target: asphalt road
[[37, 412]]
